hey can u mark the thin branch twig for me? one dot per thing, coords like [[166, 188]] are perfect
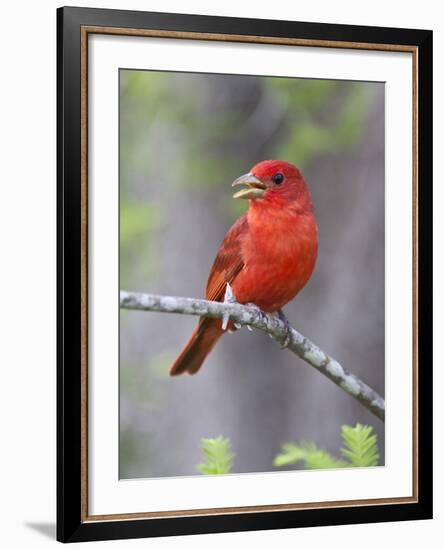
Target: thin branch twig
[[271, 324]]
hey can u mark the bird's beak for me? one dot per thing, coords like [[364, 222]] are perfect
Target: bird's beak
[[255, 187]]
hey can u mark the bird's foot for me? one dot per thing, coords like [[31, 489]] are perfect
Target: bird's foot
[[259, 311], [287, 340], [229, 298]]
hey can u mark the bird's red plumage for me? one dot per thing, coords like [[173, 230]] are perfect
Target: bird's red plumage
[[267, 256]]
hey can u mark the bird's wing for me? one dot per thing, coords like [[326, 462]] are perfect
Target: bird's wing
[[226, 266], [228, 261]]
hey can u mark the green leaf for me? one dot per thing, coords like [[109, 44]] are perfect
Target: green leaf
[[361, 447], [217, 456], [307, 452]]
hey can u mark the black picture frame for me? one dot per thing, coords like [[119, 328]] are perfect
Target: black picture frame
[[71, 524]]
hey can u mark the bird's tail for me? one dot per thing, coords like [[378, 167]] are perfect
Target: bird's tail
[[200, 344]]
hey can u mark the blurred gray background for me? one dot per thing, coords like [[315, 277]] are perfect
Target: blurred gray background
[[183, 139]]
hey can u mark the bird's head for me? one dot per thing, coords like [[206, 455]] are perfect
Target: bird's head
[[274, 182]]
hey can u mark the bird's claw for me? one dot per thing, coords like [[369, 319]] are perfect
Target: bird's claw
[[229, 298], [287, 339], [258, 310]]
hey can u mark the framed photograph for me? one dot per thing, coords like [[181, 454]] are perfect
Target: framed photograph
[[222, 180]]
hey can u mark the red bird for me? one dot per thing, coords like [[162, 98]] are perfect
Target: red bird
[[267, 256]]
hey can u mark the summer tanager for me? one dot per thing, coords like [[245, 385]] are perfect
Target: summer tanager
[[267, 256]]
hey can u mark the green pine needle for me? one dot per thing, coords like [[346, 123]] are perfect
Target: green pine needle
[[307, 452], [361, 445], [217, 456], [361, 449]]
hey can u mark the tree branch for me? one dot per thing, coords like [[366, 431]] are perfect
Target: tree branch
[[271, 324]]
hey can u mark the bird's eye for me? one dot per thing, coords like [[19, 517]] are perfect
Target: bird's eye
[[278, 178]]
